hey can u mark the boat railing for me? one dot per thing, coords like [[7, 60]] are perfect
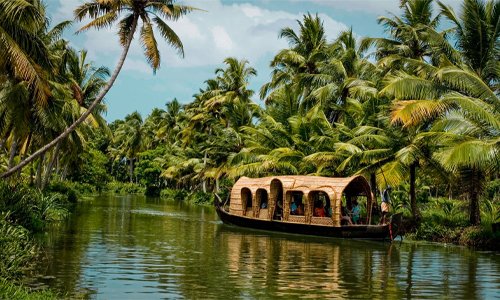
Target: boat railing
[[263, 213], [322, 221], [296, 219]]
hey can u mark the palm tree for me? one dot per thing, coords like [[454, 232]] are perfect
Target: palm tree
[[229, 95], [308, 48], [477, 36], [129, 138], [25, 56], [410, 43], [408, 33], [462, 113], [104, 13]]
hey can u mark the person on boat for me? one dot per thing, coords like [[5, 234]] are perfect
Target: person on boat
[[319, 211], [345, 215], [300, 209], [355, 211], [293, 207], [384, 206], [263, 205]]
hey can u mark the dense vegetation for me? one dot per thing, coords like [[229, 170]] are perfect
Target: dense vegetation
[[417, 109]]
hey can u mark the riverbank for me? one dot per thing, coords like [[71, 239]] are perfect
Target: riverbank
[[446, 221], [25, 211]]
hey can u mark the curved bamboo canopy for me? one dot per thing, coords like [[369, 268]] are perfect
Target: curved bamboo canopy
[[248, 194]]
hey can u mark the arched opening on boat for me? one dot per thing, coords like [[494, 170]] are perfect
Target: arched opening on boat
[[321, 204], [295, 201], [356, 193], [246, 201], [276, 199], [262, 203]]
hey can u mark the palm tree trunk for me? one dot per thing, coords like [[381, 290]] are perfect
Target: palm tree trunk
[[39, 171], [413, 196], [84, 116], [51, 165], [131, 170], [13, 148], [204, 183], [28, 143], [474, 186], [64, 172]]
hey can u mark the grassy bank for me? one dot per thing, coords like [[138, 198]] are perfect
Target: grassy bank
[[446, 221], [25, 211]]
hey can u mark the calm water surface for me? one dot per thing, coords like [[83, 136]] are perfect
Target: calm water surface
[[136, 248]]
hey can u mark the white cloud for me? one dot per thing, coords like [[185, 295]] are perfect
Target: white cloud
[[222, 39], [379, 7], [241, 30], [137, 65]]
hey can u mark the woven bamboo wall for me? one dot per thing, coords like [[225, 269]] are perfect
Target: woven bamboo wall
[[333, 187]]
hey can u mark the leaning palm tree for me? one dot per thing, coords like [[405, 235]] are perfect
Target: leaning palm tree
[[104, 13]]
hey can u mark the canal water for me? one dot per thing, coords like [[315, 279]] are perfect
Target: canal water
[[132, 247]]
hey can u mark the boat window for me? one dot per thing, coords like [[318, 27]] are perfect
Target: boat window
[[297, 203], [262, 199], [246, 198], [321, 204]]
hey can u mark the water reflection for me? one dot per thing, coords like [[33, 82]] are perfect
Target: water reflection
[[291, 265], [132, 247]]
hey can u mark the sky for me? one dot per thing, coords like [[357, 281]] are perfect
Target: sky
[[244, 29]]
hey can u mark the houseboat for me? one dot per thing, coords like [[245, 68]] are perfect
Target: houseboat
[[309, 205]]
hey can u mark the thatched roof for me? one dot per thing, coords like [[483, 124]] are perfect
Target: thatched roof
[[307, 183]]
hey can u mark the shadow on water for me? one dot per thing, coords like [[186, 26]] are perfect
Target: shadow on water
[[132, 247]]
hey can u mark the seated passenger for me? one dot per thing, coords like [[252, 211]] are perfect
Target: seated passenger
[[300, 209], [345, 216], [355, 211], [319, 211], [293, 208]]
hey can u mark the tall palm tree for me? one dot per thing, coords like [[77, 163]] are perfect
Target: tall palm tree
[[476, 33], [463, 115], [129, 138], [25, 56], [229, 94], [308, 48], [104, 13], [409, 42]]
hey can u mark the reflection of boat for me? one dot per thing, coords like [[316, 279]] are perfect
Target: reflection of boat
[[302, 204]]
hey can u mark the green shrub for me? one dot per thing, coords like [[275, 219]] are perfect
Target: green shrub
[[490, 212], [10, 290], [492, 190], [201, 198], [123, 188], [176, 194], [90, 168], [31, 208], [65, 188], [450, 213], [16, 248]]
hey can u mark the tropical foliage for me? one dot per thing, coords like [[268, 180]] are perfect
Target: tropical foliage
[[417, 108]]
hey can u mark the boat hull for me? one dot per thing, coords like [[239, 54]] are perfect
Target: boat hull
[[371, 232]]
